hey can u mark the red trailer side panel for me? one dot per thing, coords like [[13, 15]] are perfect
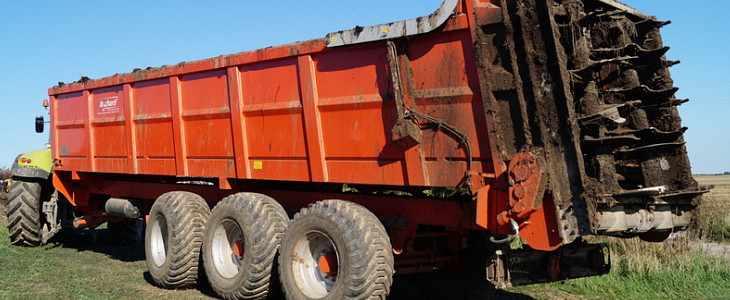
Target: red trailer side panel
[[298, 112]]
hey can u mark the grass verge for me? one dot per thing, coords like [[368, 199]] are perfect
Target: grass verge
[[714, 216], [693, 266], [643, 270]]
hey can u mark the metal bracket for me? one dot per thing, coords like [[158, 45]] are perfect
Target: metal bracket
[[508, 239], [52, 225], [497, 270], [527, 187], [393, 30]]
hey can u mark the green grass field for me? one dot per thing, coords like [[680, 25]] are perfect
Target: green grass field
[[87, 266], [79, 268], [680, 268], [715, 208], [648, 271]]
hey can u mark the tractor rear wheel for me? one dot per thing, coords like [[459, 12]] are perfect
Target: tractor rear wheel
[[24, 213], [174, 237]]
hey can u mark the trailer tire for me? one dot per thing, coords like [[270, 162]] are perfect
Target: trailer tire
[[241, 240], [127, 233], [173, 239], [335, 249], [24, 213]]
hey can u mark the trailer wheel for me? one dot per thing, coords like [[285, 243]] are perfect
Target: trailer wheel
[[24, 213], [174, 237], [336, 249], [241, 239]]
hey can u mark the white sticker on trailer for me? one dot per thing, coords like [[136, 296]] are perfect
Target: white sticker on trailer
[[109, 105]]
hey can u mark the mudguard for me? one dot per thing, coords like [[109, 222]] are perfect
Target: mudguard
[[34, 164]]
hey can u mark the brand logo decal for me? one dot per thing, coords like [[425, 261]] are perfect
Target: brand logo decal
[[109, 105]]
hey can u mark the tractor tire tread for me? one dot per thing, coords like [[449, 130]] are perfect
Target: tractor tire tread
[[24, 214]]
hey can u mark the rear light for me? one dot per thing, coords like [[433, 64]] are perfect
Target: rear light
[[24, 160]]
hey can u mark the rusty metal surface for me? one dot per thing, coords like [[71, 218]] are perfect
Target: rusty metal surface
[[525, 266]]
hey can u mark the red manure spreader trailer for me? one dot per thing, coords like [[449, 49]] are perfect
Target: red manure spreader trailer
[[431, 145]]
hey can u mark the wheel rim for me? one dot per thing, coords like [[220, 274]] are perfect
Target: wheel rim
[[227, 248], [315, 264], [158, 240]]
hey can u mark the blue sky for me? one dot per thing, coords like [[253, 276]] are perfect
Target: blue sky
[[44, 43]]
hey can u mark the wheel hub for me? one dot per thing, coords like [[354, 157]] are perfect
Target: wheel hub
[[237, 248], [228, 248], [158, 241], [327, 264], [316, 264]]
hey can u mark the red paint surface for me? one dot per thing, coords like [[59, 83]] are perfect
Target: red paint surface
[[299, 112]]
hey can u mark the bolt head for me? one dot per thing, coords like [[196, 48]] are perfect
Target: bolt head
[[519, 191], [521, 172]]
